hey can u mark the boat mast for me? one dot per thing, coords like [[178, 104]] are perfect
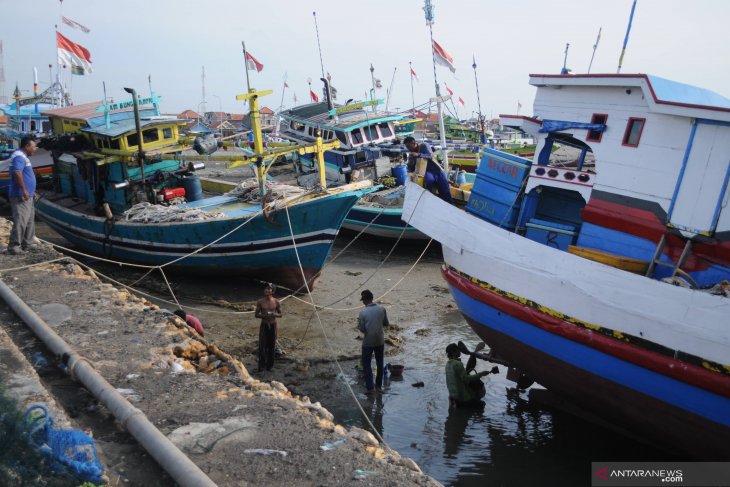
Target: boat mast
[[390, 90], [428, 10], [413, 99], [483, 137], [626, 39]]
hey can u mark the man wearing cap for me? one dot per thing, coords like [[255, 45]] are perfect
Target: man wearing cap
[[370, 321]]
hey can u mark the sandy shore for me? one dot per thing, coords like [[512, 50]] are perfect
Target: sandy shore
[[196, 390]]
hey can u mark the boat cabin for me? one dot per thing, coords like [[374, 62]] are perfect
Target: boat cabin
[[358, 130], [646, 176]]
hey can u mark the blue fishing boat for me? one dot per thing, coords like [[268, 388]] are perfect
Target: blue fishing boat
[[368, 150], [609, 285], [126, 191]]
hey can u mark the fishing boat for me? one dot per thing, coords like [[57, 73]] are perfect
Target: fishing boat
[[125, 190], [366, 152], [608, 285]]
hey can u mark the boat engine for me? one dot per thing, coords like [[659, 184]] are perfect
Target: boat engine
[[171, 196]]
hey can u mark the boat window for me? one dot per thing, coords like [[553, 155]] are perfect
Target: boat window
[[342, 137], [105, 142], [114, 144], [356, 137], [371, 133], [167, 133], [132, 140], [299, 127], [633, 131], [150, 135], [98, 143], [593, 135], [385, 130]]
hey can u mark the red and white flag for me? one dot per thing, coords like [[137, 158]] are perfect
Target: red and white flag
[[252, 64], [74, 55], [75, 25], [314, 96], [286, 85], [413, 74], [461, 100], [449, 90], [442, 57]]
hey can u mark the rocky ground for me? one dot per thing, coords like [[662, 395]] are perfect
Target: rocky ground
[[197, 394]]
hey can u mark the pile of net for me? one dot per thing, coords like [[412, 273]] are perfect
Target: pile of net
[[149, 213], [248, 191], [387, 198]]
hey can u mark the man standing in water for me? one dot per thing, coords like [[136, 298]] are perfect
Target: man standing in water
[[370, 321], [268, 309], [22, 196]]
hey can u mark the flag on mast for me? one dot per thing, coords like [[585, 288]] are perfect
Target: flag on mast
[[442, 57], [286, 85], [313, 95], [74, 55], [413, 74], [252, 64], [461, 100], [75, 25], [449, 90]]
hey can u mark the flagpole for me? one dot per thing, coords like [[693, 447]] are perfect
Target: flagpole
[[428, 10], [245, 63], [483, 137], [372, 81], [390, 90], [283, 90], [595, 46], [319, 47], [626, 39], [413, 99]]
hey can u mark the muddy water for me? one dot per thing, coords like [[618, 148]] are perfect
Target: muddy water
[[510, 442]]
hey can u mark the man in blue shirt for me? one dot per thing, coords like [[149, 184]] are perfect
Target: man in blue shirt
[[22, 194], [370, 321], [434, 174]]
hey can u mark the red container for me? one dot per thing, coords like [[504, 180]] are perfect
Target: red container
[[171, 193]]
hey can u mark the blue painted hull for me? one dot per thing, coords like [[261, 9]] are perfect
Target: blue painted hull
[[261, 249], [381, 223], [681, 414]]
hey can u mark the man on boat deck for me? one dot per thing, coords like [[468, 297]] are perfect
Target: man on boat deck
[[370, 321], [434, 174], [268, 309], [465, 390], [22, 195]]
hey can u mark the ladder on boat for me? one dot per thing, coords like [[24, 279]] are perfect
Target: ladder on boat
[[676, 266]]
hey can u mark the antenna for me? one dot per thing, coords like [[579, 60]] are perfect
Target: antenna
[[202, 79], [428, 11], [565, 59], [316, 28], [595, 46]]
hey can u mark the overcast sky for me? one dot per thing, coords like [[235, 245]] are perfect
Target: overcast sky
[[683, 40]]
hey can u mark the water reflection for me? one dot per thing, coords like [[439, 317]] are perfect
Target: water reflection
[[455, 428], [373, 407]]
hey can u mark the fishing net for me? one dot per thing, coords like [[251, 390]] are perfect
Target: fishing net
[[21, 464]]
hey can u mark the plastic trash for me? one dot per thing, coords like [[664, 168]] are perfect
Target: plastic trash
[[418, 384], [360, 474], [332, 445], [265, 451]]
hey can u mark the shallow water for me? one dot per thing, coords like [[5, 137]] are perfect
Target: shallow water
[[510, 442]]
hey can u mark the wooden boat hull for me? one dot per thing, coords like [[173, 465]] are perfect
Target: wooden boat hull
[[648, 356], [263, 248], [381, 222]]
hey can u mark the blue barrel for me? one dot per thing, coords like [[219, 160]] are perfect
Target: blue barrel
[[193, 188], [461, 178], [400, 173]]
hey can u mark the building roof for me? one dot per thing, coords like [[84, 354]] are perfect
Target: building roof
[[237, 117], [267, 111], [188, 115]]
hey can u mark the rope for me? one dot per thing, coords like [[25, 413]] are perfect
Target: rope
[[327, 340]]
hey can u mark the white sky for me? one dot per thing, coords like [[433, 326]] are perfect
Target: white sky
[[683, 40]]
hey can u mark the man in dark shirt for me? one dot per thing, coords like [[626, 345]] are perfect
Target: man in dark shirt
[[434, 175]]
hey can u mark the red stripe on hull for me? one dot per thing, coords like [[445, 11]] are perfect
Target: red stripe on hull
[[645, 224], [647, 418], [687, 373]]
